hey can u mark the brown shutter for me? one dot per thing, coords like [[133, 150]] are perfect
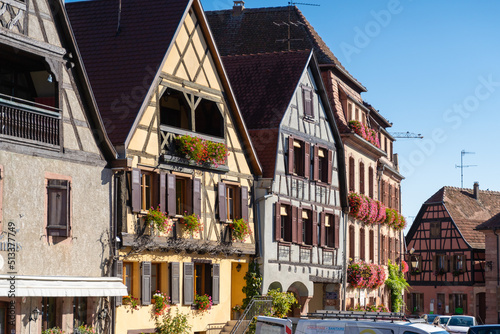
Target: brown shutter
[[197, 196], [446, 261], [351, 174], [299, 226], [322, 229], [330, 167], [294, 224], [337, 231], [314, 228], [307, 98], [277, 222], [163, 191], [244, 202], [119, 273], [290, 155], [155, 190], [188, 283], [316, 175], [307, 160], [146, 283], [175, 283], [136, 190], [370, 182], [361, 178], [216, 284], [58, 208], [171, 195], [222, 202]]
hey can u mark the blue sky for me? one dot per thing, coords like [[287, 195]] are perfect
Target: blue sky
[[430, 67]]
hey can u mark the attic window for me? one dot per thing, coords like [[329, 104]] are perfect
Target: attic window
[[175, 110], [308, 101], [435, 229]]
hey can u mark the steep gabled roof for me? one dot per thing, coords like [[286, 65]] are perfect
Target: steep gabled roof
[[468, 212], [261, 30], [122, 62]]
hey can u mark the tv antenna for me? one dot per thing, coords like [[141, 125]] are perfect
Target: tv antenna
[[290, 23], [462, 166]]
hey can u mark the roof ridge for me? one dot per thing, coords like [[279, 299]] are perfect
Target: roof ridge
[[471, 189], [267, 53]]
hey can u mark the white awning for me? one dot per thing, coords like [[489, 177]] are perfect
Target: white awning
[[62, 286]]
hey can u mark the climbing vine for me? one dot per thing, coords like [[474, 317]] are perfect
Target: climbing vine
[[397, 283], [253, 285]]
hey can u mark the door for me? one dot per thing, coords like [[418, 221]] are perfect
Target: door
[[481, 308]]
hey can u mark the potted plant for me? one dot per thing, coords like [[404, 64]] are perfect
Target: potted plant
[[191, 223], [236, 312], [240, 229], [54, 330], [161, 303], [132, 301], [159, 220], [202, 302], [84, 329]]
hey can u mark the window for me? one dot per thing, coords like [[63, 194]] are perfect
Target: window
[[183, 195], [299, 158], [128, 277], [416, 302], [435, 229], [155, 278], [351, 174], [440, 264], [308, 101], [144, 185], [146, 190], [361, 178], [48, 312], [458, 263], [458, 303], [415, 264], [80, 310], [440, 303], [306, 228], [331, 230], [233, 201], [349, 112], [201, 277], [58, 208], [322, 164], [284, 222]]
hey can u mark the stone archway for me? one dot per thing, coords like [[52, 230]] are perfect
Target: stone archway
[[302, 294]]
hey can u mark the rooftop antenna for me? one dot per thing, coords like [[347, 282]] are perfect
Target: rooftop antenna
[[289, 23], [462, 153], [119, 17]]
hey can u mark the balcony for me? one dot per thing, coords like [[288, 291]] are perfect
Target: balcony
[[29, 122]]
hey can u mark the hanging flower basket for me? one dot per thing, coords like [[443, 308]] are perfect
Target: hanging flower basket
[[203, 302], [201, 151], [365, 275], [240, 229]]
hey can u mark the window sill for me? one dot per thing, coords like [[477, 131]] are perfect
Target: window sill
[[309, 119]]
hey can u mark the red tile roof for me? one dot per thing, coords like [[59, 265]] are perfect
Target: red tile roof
[[468, 212], [122, 64], [260, 30]]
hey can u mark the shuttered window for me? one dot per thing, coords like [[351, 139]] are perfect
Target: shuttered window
[[361, 178], [371, 240], [308, 101], [233, 202], [383, 255], [283, 222], [362, 241], [352, 243], [370, 182], [351, 175], [58, 208], [322, 164], [323, 220], [183, 195]]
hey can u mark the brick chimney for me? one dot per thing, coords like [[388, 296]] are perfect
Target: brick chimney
[[476, 190], [238, 7]]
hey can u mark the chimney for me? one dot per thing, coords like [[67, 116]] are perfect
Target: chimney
[[238, 8], [476, 190]]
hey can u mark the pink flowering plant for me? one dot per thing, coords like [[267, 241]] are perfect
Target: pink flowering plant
[[369, 308], [192, 223], [159, 220], [365, 275], [202, 151], [53, 330], [84, 329], [132, 301], [203, 302], [365, 132], [240, 229], [404, 267]]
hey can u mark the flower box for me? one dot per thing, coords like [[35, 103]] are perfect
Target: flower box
[[201, 151]]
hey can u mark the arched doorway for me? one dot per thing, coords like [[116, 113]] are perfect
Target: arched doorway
[[302, 294]]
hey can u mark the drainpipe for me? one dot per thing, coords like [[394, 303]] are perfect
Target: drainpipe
[[344, 261], [380, 171], [498, 259]]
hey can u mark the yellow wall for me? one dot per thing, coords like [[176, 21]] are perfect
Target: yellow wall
[[237, 283]]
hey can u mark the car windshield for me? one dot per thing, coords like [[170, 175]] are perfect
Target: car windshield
[[443, 320], [460, 321], [431, 317], [488, 330]]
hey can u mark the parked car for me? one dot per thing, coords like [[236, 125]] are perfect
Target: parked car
[[441, 320], [484, 329], [459, 324], [429, 317]]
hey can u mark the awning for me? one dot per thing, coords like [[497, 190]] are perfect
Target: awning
[[62, 286]]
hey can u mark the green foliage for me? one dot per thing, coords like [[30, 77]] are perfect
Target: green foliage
[[253, 280], [173, 324], [282, 303], [396, 282], [241, 229], [54, 330]]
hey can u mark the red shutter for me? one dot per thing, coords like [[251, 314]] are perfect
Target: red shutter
[[197, 196], [163, 191], [322, 231], [222, 202], [290, 155], [277, 222], [316, 163], [294, 224], [337, 231], [244, 202], [330, 165], [314, 228], [136, 190], [307, 160], [171, 195], [300, 227]]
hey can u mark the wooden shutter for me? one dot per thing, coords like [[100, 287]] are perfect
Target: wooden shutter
[[299, 226], [119, 273], [171, 195], [277, 222], [330, 167], [446, 261], [175, 283], [316, 176], [307, 160], [222, 202], [361, 178], [294, 224], [215, 283], [370, 182], [244, 202], [307, 98], [58, 224], [197, 196], [136, 190], [163, 191], [188, 283], [351, 174], [290, 155], [146, 283], [337, 231], [314, 228], [322, 229]]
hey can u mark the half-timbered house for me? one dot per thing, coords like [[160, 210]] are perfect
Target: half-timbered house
[[446, 254], [170, 112], [302, 194], [371, 165], [56, 183]]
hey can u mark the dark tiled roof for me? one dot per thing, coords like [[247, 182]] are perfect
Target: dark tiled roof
[[259, 30], [264, 84], [121, 66], [467, 212], [265, 142]]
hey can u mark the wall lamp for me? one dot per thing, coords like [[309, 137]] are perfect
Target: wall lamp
[[238, 267], [34, 314]]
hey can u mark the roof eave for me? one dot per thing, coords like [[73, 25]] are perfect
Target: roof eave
[[345, 73]]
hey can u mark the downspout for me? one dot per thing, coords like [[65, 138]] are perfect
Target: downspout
[[114, 243], [380, 171], [498, 258], [344, 261]]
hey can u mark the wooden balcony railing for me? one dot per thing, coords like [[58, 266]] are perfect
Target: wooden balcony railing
[[29, 120]]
